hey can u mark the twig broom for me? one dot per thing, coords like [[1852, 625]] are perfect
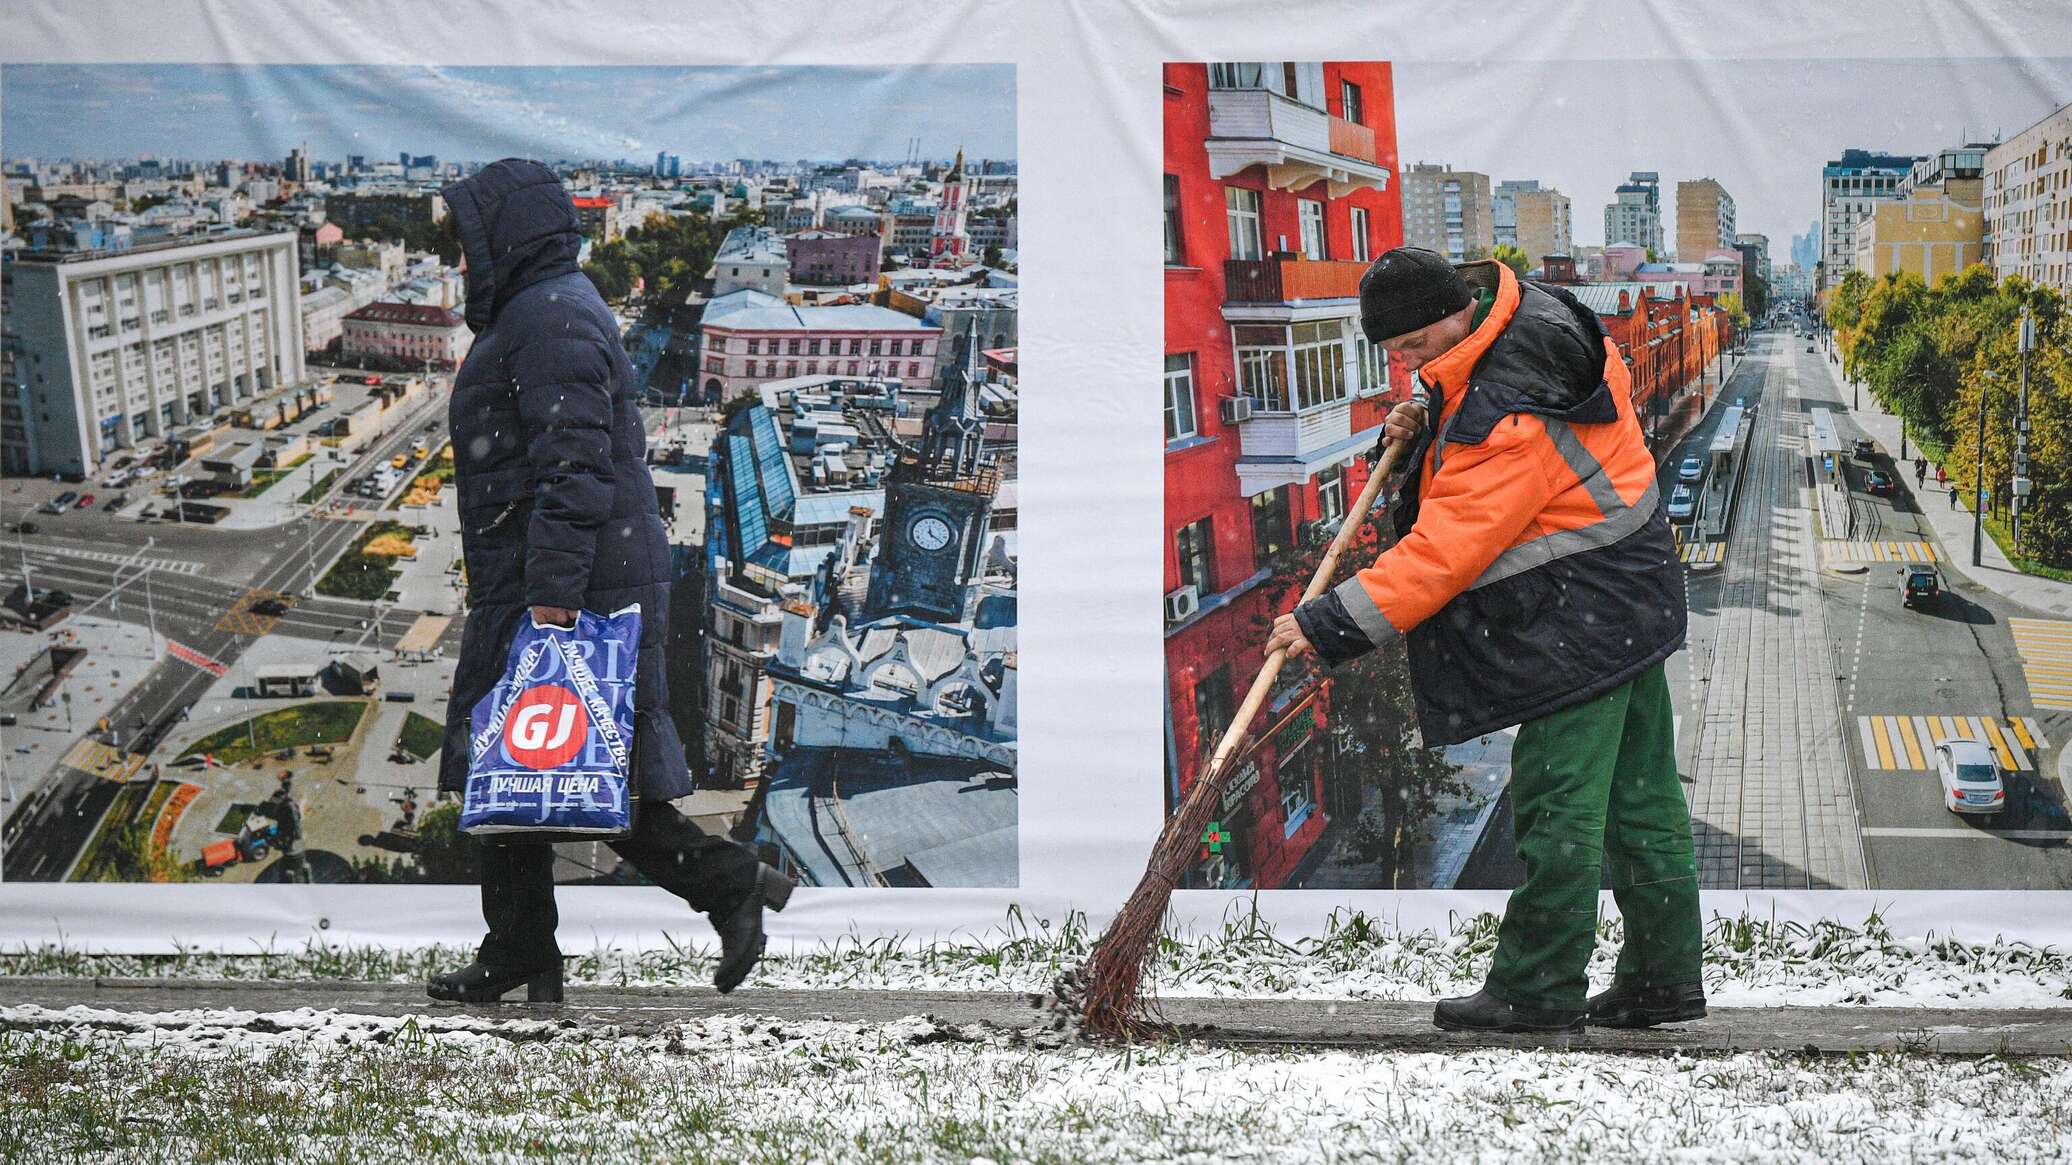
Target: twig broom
[[1109, 987]]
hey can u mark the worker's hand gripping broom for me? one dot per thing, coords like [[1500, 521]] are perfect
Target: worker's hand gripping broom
[[1108, 987]]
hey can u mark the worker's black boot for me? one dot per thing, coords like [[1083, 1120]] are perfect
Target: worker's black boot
[[481, 982], [1628, 1006], [1483, 1012], [741, 938]]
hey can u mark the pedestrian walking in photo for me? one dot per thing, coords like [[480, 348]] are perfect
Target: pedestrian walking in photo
[[1535, 582], [558, 514]]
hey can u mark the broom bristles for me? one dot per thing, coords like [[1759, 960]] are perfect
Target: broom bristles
[[1114, 1003], [1108, 989]]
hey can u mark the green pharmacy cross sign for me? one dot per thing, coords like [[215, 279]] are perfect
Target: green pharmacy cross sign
[[1213, 839]]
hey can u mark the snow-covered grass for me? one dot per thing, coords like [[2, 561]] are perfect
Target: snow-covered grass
[[90, 1086], [1749, 962]]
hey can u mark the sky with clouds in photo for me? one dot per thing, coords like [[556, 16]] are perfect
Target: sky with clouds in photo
[[210, 112], [1762, 128]]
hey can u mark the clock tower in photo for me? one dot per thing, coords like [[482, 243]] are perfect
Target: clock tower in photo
[[938, 497]]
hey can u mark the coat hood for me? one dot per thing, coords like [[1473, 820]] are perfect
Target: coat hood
[[517, 226]]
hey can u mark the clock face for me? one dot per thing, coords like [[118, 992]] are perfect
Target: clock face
[[930, 533]]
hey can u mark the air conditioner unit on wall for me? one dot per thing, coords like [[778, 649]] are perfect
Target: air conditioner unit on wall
[[1236, 409], [1182, 603]]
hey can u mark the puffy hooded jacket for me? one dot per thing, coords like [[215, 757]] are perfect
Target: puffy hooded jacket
[[1534, 568], [556, 505]]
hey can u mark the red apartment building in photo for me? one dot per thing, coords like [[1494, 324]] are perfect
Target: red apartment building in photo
[[1280, 188]]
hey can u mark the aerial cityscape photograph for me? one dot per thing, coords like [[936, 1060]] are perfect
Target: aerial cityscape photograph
[[1824, 326], [236, 587]]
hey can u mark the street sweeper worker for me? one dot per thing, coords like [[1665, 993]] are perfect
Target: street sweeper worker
[[1535, 583]]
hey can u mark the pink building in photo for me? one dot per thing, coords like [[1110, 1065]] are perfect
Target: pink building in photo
[[408, 333], [750, 337], [832, 258]]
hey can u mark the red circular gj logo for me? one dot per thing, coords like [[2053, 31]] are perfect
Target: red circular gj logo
[[546, 726]]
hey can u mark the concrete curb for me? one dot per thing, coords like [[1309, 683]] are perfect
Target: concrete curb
[[1360, 1024]]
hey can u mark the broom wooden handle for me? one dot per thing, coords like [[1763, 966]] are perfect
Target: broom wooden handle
[[1234, 735]]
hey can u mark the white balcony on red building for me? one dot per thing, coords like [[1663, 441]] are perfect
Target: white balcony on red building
[[1298, 144], [1297, 383]]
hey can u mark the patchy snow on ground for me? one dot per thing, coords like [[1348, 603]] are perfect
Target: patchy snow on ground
[[1748, 962], [89, 1085]]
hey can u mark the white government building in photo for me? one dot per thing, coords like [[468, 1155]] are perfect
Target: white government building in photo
[[112, 347]]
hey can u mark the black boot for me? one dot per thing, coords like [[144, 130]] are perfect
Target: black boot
[[1483, 1012], [481, 982], [741, 937], [1628, 1006]]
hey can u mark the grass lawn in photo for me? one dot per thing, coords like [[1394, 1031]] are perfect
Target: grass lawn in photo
[[367, 569], [264, 479], [421, 736], [319, 722]]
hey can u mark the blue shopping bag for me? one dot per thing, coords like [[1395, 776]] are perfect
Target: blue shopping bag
[[550, 745]]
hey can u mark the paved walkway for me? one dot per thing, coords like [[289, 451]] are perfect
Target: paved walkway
[[1953, 526], [1772, 802], [1360, 1024]]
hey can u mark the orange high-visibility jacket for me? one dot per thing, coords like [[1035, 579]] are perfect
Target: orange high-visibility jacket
[[1533, 568]]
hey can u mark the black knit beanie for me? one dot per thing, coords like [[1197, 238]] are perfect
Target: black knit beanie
[[1407, 289]]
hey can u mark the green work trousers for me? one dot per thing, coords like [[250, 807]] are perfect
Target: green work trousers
[[1594, 780]]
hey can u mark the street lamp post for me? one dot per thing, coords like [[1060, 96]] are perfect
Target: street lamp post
[[1978, 478], [2018, 488]]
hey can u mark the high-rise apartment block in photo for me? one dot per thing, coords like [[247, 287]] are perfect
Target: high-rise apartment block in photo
[[599, 216], [2028, 203], [1704, 220], [1545, 226], [1449, 211], [1503, 209], [1851, 186], [1635, 213], [1934, 225], [115, 347]]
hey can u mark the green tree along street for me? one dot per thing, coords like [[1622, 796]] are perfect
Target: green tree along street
[[416, 234], [1514, 258], [444, 853], [1731, 304], [1373, 724], [669, 254], [1935, 354]]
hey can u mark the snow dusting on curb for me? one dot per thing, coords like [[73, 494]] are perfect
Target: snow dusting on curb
[[1748, 963], [94, 1085]]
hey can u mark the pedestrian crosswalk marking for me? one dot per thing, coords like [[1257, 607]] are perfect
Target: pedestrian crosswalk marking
[[1842, 550], [1703, 552], [2046, 647], [102, 760], [1907, 743], [169, 565], [186, 654]]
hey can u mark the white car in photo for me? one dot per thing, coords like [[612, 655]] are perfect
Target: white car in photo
[[1682, 504], [1972, 780]]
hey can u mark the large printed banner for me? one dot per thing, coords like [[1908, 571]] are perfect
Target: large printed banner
[[960, 603]]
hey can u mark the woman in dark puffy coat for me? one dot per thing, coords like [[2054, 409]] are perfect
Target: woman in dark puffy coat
[[558, 513]]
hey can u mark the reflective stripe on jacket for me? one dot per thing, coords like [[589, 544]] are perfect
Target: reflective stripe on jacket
[[1533, 568]]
